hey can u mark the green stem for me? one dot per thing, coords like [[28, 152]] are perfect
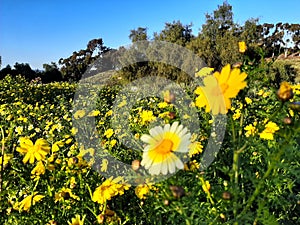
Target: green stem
[[260, 185], [2, 161], [235, 176], [104, 208], [233, 131], [241, 125], [187, 222]]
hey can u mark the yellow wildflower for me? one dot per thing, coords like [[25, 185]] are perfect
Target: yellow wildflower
[[123, 103], [192, 166], [206, 186], [79, 114], [162, 105], [270, 129], [94, 113], [37, 151], [242, 47], [39, 169], [65, 194], [219, 89], [7, 158], [113, 142], [237, 114], [108, 189], [109, 132], [296, 89], [195, 148], [147, 116], [72, 182], [74, 131], [27, 202], [77, 220], [248, 100], [250, 129], [57, 145], [109, 113], [141, 191]]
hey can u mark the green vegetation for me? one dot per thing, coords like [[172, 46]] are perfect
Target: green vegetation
[[47, 176]]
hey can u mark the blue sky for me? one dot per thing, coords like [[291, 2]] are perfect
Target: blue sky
[[43, 31]]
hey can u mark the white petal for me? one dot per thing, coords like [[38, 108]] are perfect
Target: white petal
[[179, 164], [147, 139], [147, 148], [174, 127], [184, 146], [171, 164], [155, 169], [167, 128], [180, 129], [146, 161], [182, 132], [156, 133], [164, 168]]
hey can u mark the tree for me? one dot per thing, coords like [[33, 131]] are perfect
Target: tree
[[217, 43], [25, 70], [5, 71], [175, 32], [219, 22], [140, 34], [51, 73], [74, 67]]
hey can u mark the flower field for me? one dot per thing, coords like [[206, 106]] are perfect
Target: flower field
[[48, 176]]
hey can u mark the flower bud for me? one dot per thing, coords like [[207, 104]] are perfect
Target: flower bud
[[100, 219], [237, 65], [135, 165], [287, 120], [169, 97], [177, 191], [172, 115], [285, 92], [226, 195]]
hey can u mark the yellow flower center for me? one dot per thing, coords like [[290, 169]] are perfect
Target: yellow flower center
[[164, 147], [220, 90], [36, 148], [224, 87]]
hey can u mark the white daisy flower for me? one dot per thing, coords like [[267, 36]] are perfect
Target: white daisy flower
[[163, 142]]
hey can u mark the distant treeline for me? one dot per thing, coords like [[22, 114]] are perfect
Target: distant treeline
[[216, 43]]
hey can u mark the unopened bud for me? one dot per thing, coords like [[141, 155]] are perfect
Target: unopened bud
[[172, 115], [177, 191], [285, 92], [100, 218], [135, 165], [226, 195], [287, 120], [169, 97]]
